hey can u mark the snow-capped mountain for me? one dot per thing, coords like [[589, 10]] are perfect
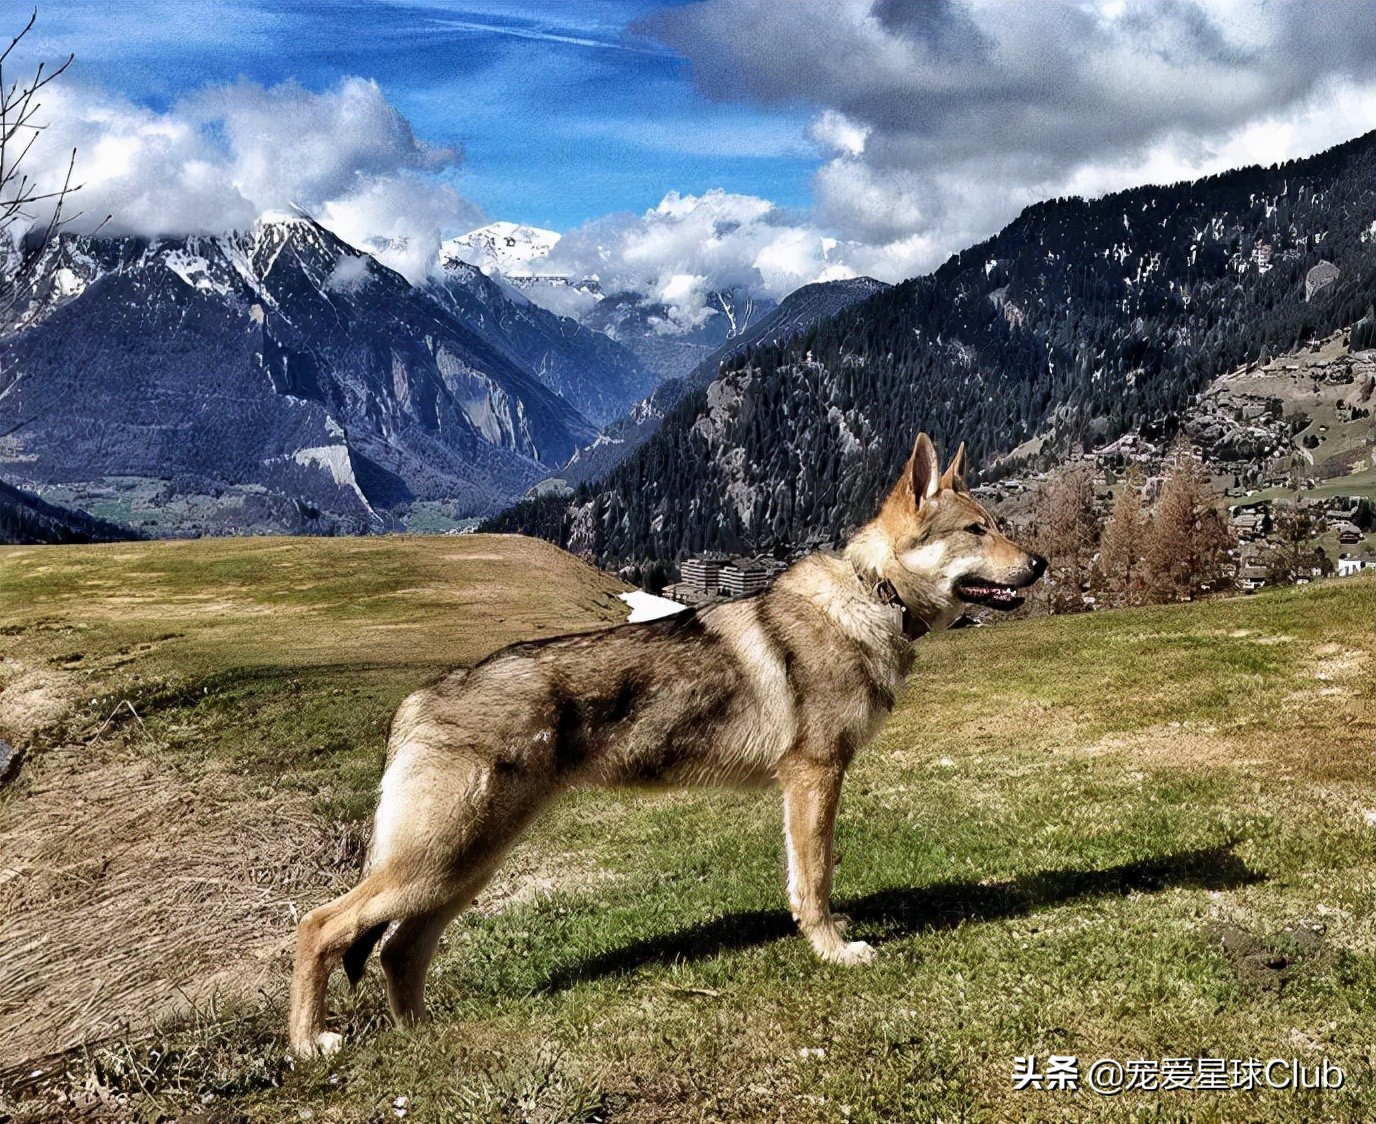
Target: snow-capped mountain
[[598, 376], [501, 247], [274, 378], [516, 255]]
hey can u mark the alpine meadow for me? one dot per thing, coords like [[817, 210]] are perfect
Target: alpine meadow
[[688, 560]]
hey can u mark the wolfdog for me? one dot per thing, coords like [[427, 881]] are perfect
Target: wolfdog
[[779, 688]]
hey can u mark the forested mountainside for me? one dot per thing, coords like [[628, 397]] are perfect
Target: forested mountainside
[[798, 311], [26, 518], [1079, 321], [269, 379]]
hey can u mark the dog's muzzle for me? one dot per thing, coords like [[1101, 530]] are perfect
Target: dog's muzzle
[[1000, 595]]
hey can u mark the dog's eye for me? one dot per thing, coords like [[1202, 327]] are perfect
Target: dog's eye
[[977, 529]]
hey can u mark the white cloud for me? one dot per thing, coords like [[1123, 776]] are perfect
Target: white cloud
[[938, 121], [690, 246], [837, 132], [349, 273], [399, 218], [217, 160], [943, 119]]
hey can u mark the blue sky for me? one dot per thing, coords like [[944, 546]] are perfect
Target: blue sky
[[563, 113], [681, 147]]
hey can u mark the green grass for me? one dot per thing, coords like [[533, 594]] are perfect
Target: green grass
[[1046, 842]]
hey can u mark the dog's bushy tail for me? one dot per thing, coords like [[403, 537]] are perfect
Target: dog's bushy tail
[[356, 955]]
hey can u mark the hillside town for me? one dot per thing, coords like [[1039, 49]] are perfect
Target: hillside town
[[1286, 448], [1281, 449]]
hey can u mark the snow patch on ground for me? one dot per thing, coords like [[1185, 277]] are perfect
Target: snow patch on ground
[[194, 270], [333, 458], [648, 607]]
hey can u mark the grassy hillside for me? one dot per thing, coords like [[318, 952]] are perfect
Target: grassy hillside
[[1140, 834]]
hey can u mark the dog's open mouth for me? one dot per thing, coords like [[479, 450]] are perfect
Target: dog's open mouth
[[990, 594]]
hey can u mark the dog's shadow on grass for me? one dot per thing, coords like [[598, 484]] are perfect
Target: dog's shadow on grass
[[887, 915]]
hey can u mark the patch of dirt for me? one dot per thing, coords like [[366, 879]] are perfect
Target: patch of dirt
[[1340, 676], [1334, 663], [129, 890], [526, 876], [1179, 745], [1268, 963], [1265, 639], [33, 701]]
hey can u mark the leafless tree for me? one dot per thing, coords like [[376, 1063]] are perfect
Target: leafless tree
[[1066, 531], [23, 197], [1190, 540], [1122, 548]]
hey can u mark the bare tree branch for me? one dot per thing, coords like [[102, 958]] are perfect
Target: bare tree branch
[[24, 233]]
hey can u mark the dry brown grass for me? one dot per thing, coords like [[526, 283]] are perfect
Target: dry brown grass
[[132, 889], [143, 873]]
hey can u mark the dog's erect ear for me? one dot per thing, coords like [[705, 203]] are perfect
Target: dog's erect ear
[[954, 476], [924, 470]]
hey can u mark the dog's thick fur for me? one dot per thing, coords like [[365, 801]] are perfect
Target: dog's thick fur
[[783, 687]]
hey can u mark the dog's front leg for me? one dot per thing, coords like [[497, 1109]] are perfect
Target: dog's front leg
[[812, 791]]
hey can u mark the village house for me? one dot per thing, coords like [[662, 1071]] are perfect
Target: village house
[[1251, 522], [1348, 565]]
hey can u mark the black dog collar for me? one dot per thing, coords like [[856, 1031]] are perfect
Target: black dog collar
[[913, 626]]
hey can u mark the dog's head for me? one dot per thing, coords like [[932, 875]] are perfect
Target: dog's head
[[938, 547]]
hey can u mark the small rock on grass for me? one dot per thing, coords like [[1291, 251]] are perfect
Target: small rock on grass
[[9, 762]]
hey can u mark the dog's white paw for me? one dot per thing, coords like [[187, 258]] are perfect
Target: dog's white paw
[[851, 953], [327, 1042]]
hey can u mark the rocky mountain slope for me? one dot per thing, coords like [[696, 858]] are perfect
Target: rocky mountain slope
[[272, 379], [596, 375], [1080, 321]]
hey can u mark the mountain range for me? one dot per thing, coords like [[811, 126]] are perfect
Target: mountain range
[[280, 379], [1080, 321]]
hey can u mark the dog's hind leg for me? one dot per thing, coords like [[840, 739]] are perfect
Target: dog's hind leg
[[496, 807], [323, 938], [409, 950], [406, 959], [812, 792]]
